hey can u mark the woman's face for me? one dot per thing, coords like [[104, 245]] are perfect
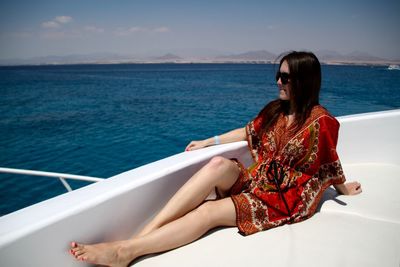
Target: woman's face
[[284, 89]]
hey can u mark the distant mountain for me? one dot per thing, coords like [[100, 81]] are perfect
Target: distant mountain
[[69, 59], [260, 55], [356, 57], [328, 55], [325, 56], [362, 56], [168, 57]]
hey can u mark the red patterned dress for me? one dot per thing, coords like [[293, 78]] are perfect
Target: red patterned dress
[[290, 173]]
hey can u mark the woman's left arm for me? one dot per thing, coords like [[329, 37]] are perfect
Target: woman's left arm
[[352, 188]]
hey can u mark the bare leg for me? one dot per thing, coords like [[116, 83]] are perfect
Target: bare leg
[[172, 235], [219, 172]]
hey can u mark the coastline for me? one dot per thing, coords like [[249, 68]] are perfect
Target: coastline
[[203, 61], [250, 57]]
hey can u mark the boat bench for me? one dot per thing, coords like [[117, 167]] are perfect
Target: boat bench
[[362, 230]]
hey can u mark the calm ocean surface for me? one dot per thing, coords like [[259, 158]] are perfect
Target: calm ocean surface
[[101, 120]]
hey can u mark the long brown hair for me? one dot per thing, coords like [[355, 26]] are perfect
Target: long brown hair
[[305, 79]]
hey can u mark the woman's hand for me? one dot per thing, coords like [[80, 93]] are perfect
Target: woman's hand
[[352, 188], [196, 145]]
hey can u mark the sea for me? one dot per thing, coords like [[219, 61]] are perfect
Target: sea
[[101, 120]]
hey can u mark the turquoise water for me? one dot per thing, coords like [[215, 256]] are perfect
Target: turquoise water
[[101, 120]]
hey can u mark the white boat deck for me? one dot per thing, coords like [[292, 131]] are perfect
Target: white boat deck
[[361, 230]]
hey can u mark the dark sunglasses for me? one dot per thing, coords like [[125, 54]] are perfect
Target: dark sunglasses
[[284, 76]]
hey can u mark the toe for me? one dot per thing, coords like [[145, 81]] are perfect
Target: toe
[[79, 258], [78, 250], [74, 250], [79, 253], [84, 257]]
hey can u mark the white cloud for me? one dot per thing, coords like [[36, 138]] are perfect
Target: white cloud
[[136, 29], [50, 25], [63, 19], [129, 31], [56, 22], [94, 29], [161, 29]]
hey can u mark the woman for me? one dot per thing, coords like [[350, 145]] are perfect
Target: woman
[[293, 143]]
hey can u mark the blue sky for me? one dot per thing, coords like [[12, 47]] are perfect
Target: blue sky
[[152, 27]]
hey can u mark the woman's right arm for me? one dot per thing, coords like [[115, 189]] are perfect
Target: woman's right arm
[[229, 137]]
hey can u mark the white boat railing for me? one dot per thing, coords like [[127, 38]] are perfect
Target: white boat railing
[[61, 176]]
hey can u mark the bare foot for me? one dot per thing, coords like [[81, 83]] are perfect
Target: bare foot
[[115, 254]]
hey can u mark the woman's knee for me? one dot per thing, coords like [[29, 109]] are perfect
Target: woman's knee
[[220, 163], [224, 173]]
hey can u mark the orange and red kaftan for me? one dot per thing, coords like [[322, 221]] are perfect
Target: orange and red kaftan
[[290, 173]]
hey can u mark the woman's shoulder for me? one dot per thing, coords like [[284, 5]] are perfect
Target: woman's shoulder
[[320, 113]]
